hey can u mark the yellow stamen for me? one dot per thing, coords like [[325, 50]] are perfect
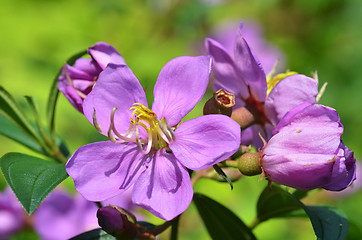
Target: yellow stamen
[[159, 132], [271, 82]]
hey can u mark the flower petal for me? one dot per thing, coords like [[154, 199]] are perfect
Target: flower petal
[[289, 93], [164, 188], [316, 130], [304, 150], [104, 169], [181, 84], [88, 65], [344, 170], [250, 68], [117, 86], [103, 53], [300, 171], [70, 93], [61, 216], [225, 71], [205, 141]]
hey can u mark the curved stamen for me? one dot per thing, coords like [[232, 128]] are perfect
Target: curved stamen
[[110, 135], [127, 139], [80, 94], [138, 142], [95, 122], [149, 143], [173, 137], [159, 132], [164, 131], [67, 76]]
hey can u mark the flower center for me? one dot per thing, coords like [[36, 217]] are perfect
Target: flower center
[[159, 132]]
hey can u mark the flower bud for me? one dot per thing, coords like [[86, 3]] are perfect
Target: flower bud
[[249, 164], [77, 81], [221, 103], [114, 222]]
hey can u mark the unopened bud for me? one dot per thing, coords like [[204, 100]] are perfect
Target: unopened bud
[[249, 164], [221, 103], [114, 222]]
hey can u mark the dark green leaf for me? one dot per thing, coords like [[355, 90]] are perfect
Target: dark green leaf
[[275, 202], [10, 130], [54, 92], [328, 223], [220, 222], [31, 178], [11, 108], [223, 175], [300, 194], [354, 232], [96, 234]]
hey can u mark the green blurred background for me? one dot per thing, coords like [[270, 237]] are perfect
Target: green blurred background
[[37, 36]]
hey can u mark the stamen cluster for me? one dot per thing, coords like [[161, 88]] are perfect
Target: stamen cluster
[[159, 132]]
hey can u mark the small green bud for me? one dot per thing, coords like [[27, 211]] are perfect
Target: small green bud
[[249, 164]]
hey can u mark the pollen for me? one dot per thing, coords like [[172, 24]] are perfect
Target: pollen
[[159, 132]]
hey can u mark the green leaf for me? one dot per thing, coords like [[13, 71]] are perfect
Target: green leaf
[[275, 202], [223, 175], [300, 194], [96, 234], [54, 92], [220, 222], [354, 232], [10, 130], [31, 178], [328, 223], [11, 108]]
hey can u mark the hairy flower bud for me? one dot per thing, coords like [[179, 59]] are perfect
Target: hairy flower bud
[[249, 164], [221, 103], [116, 223]]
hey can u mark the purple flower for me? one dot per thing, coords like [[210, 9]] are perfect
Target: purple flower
[[158, 151], [306, 151], [12, 215], [77, 81], [62, 216], [267, 53], [269, 98]]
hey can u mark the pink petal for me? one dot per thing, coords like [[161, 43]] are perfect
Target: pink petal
[[164, 188], [102, 170], [300, 171], [104, 53], [88, 65], [250, 68], [117, 86], [225, 71], [181, 84], [205, 141], [344, 170], [289, 93]]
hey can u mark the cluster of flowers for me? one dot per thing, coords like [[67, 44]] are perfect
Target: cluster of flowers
[[153, 150]]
